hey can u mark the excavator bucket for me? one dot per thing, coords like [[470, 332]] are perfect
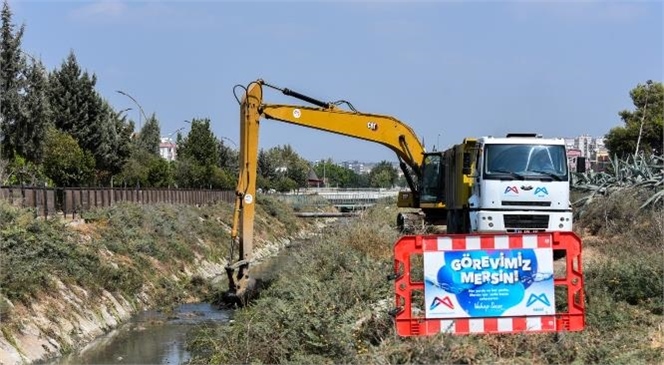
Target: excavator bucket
[[488, 283]]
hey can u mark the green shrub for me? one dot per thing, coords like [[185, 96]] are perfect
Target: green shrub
[[322, 308]]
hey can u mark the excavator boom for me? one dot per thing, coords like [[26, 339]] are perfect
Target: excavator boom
[[381, 129]]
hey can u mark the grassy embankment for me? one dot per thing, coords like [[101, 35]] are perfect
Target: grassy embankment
[[321, 308], [150, 255]]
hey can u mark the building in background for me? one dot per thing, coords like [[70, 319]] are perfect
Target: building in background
[[168, 149], [589, 149], [357, 166]]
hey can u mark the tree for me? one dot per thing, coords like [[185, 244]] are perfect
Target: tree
[[76, 109], [134, 173], [228, 159], [290, 165], [12, 82], [360, 181], [65, 162], [80, 111], [383, 175], [200, 144], [121, 140], [647, 120], [267, 169], [20, 171], [334, 174], [37, 114], [199, 158], [145, 169], [150, 135], [116, 145]]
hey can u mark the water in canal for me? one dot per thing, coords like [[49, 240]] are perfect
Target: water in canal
[[151, 337]]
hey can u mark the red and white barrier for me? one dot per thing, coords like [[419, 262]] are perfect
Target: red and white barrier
[[415, 323]]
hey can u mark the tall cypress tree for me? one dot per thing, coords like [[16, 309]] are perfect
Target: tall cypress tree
[[80, 111], [200, 145], [150, 135], [12, 81], [37, 114], [114, 146], [76, 108]]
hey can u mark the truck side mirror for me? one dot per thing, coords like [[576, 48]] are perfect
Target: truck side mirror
[[466, 163]]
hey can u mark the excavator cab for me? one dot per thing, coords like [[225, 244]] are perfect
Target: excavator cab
[[430, 192], [429, 197], [432, 180]]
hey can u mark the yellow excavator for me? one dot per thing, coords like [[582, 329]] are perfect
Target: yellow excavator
[[422, 169]]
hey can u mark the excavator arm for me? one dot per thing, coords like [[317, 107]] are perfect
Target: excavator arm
[[326, 116]]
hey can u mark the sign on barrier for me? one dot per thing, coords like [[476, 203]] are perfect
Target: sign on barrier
[[488, 283]]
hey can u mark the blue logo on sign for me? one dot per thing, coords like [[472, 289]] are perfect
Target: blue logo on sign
[[541, 191], [538, 298]]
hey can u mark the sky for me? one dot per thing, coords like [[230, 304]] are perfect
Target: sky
[[448, 69]]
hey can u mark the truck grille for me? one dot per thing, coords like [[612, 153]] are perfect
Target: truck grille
[[532, 204], [526, 221]]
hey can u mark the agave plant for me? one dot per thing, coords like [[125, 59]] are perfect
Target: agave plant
[[635, 171]]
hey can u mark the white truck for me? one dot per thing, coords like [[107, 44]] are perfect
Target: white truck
[[517, 183]]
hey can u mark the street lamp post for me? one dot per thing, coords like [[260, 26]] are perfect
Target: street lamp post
[[172, 133], [137, 104], [171, 144], [230, 140], [124, 111]]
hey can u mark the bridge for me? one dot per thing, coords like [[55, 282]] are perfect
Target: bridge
[[345, 200]]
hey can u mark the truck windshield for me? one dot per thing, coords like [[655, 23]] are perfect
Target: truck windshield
[[431, 179], [525, 161]]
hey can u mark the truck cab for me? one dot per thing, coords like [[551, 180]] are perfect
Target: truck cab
[[520, 183]]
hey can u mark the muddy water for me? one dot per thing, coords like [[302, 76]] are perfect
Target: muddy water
[[150, 337]]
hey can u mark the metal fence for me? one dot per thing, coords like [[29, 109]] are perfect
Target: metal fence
[[70, 201]]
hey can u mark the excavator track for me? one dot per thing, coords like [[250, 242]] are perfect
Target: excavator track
[[410, 222]]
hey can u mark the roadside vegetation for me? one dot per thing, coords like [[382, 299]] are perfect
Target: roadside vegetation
[[329, 301], [128, 249]]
